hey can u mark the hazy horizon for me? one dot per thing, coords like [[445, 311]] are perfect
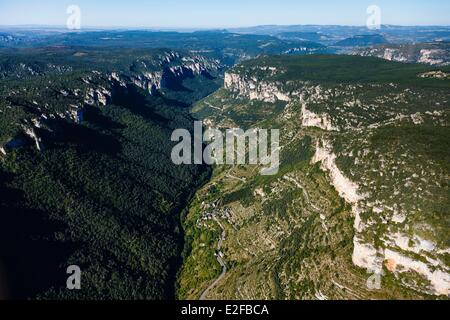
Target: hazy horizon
[[168, 28], [203, 14]]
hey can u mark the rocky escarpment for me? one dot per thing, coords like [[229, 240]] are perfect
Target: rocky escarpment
[[165, 71], [385, 185], [347, 189], [168, 70], [437, 54], [399, 250], [253, 89], [96, 89], [364, 255]]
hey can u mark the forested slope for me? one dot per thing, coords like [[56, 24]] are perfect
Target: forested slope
[[86, 174]]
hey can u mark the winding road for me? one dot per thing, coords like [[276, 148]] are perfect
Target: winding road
[[221, 262], [223, 236]]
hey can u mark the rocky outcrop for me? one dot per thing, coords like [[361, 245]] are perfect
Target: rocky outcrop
[[364, 255], [31, 133], [253, 89], [167, 68], [98, 96], [432, 57], [149, 81], [439, 279], [76, 113], [435, 75], [435, 54], [393, 55], [311, 119], [402, 254], [346, 188]]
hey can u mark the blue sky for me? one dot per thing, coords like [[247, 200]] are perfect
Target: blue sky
[[218, 14]]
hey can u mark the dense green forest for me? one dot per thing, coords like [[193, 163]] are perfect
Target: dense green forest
[[102, 193]]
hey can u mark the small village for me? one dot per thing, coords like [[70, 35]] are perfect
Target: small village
[[214, 211]]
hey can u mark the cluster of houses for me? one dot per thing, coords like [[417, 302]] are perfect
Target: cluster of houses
[[213, 210]]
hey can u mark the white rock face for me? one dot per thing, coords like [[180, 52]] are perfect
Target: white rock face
[[311, 119], [417, 118], [409, 54], [101, 96], [346, 188], [402, 253], [398, 217], [367, 256], [76, 113], [435, 75], [418, 244], [149, 81], [116, 77], [253, 89], [32, 134], [194, 68], [152, 81], [364, 255], [394, 55], [390, 54], [431, 57], [439, 279]]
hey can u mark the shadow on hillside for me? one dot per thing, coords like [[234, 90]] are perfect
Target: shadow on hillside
[[30, 261], [84, 138], [148, 107], [94, 116]]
